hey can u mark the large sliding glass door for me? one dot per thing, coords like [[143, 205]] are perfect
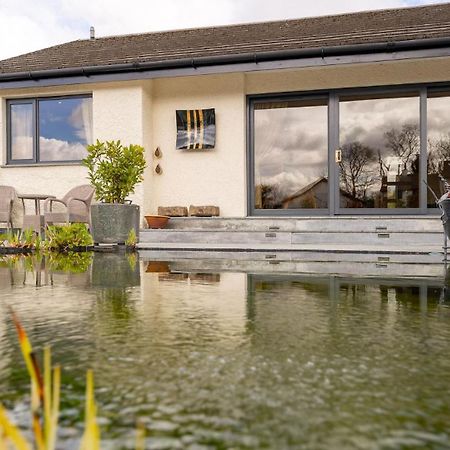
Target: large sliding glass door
[[291, 155], [379, 148], [438, 142], [371, 151]]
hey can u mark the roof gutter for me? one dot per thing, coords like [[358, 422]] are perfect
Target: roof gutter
[[267, 56]]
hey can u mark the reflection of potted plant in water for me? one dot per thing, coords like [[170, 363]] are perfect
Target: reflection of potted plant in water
[[72, 262], [115, 270], [114, 306], [114, 170]]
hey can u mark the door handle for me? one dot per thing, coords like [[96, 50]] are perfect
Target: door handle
[[338, 155]]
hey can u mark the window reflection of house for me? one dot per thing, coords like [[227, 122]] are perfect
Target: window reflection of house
[[435, 183], [312, 196], [315, 196], [403, 192]]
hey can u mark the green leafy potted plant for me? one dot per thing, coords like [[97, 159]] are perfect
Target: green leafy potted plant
[[114, 170]]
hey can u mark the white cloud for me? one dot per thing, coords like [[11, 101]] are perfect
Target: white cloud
[[58, 150], [27, 26]]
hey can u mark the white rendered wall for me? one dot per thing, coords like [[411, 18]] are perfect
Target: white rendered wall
[[200, 177], [117, 114], [426, 70]]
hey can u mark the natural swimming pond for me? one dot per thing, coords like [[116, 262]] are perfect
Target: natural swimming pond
[[233, 360]]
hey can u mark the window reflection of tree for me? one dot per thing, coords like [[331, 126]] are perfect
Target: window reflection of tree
[[267, 134], [438, 165], [405, 144], [359, 171]]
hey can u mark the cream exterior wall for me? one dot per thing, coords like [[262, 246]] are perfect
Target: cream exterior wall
[[143, 112], [202, 177], [117, 114], [351, 75]]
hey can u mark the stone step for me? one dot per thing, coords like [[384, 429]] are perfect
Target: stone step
[[382, 239], [405, 240], [323, 224]]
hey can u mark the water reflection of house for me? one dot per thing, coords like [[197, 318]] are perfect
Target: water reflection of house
[[315, 196]]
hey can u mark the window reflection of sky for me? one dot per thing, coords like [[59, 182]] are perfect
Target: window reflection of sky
[[377, 184], [368, 120], [65, 128], [291, 150], [290, 147], [438, 144]]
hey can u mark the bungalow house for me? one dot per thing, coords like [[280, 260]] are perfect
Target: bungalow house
[[237, 112]]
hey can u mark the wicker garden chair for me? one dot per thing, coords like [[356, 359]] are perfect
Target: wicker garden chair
[[76, 206], [7, 196]]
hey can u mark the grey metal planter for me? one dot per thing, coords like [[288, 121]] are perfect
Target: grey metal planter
[[112, 222]]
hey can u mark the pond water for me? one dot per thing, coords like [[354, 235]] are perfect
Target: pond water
[[233, 360]]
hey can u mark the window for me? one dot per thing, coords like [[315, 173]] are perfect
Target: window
[[291, 154], [383, 150], [47, 130], [438, 143], [380, 150]]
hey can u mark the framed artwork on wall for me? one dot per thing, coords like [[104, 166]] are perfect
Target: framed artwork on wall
[[196, 129]]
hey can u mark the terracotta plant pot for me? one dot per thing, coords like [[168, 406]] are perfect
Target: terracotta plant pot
[[157, 221], [157, 267]]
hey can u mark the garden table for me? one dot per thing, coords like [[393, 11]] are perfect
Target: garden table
[[34, 221]]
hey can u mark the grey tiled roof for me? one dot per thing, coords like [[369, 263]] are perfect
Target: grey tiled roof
[[405, 24]]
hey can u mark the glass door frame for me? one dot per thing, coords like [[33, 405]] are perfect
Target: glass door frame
[[335, 145], [333, 96], [251, 100]]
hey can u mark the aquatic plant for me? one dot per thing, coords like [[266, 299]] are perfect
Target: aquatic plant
[[73, 262], [45, 402], [45, 393], [25, 239], [132, 239], [64, 238]]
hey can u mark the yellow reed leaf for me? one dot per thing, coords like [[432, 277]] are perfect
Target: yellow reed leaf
[[37, 387], [91, 437], [51, 441], [47, 394], [140, 436], [2, 440], [9, 431], [35, 416], [27, 351]]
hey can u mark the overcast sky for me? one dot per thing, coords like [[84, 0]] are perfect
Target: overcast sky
[[28, 25]]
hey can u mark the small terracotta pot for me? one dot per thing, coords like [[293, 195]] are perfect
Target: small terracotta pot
[[157, 267], [157, 221]]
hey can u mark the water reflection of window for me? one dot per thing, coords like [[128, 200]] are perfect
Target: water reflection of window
[[50, 129], [291, 154], [380, 143], [438, 136]]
